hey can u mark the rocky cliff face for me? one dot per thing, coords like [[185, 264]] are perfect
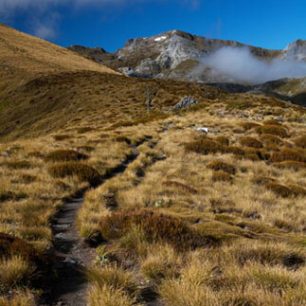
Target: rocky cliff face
[[296, 51], [177, 55]]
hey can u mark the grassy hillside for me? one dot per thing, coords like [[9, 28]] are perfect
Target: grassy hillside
[[168, 215]]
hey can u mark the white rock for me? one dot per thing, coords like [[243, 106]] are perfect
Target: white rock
[[202, 129]]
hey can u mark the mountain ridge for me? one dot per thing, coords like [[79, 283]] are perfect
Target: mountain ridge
[[165, 55]]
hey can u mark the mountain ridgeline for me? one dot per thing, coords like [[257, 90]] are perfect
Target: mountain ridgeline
[[182, 56]]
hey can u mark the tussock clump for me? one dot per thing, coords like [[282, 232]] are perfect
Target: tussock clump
[[300, 141], [289, 154], [123, 139], [269, 254], [233, 105], [86, 148], [263, 180], [289, 164], [286, 191], [13, 272], [256, 154], [82, 171], [19, 298], [61, 137], [13, 246], [250, 142], [221, 176], [114, 277], [17, 165], [155, 226], [222, 140], [235, 150], [283, 224], [181, 186], [85, 129], [9, 195], [219, 165], [272, 122], [109, 296], [65, 155], [161, 263], [275, 130], [271, 140], [249, 125], [204, 146]]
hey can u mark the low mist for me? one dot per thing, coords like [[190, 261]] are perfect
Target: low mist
[[240, 65]]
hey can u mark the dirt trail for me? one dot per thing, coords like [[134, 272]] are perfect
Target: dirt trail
[[72, 255]]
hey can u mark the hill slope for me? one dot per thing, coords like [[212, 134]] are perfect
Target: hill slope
[[23, 57], [121, 198]]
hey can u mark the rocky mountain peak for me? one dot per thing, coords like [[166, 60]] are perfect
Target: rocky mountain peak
[[177, 55], [296, 50]]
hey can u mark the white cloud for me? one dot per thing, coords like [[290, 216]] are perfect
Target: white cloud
[[242, 66]]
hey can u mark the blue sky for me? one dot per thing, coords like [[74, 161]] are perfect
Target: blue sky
[[109, 23]]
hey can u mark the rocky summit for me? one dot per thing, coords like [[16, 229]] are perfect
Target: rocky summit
[[175, 54]]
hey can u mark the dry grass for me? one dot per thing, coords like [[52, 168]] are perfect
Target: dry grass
[[108, 296], [156, 227], [193, 220], [82, 171], [204, 146], [288, 154], [19, 298], [219, 165], [300, 142], [12, 272], [65, 155], [250, 142], [274, 130]]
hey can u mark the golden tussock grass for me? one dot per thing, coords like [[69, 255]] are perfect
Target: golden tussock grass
[[82, 171], [219, 165], [274, 130], [300, 141], [197, 220], [289, 154], [156, 227], [13, 271], [250, 142], [65, 155], [19, 298], [108, 296]]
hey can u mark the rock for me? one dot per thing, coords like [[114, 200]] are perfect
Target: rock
[[185, 102], [202, 129]]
